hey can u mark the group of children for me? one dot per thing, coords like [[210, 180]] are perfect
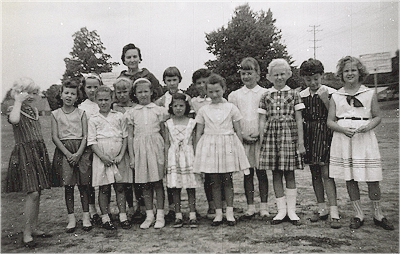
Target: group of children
[[126, 138]]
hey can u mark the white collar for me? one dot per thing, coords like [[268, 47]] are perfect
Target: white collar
[[361, 89], [286, 88], [306, 92], [254, 89]]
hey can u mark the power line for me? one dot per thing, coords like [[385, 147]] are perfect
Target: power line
[[314, 39]]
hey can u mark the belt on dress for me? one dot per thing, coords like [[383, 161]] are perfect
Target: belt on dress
[[352, 118]]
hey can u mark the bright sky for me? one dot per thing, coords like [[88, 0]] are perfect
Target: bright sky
[[37, 36]]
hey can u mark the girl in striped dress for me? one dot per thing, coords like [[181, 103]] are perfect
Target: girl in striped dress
[[29, 167], [281, 136], [317, 137], [354, 155]]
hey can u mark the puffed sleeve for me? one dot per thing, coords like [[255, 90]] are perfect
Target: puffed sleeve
[[200, 116], [92, 131], [236, 113], [124, 126], [262, 104], [298, 104], [127, 117]]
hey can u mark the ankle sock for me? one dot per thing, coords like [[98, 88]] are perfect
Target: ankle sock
[[123, 217], [178, 215], [322, 209], [105, 218], [358, 209], [92, 210], [86, 219], [334, 212], [230, 213], [378, 214], [71, 221], [219, 215], [251, 209], [192, 215]]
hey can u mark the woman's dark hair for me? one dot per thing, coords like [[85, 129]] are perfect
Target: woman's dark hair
[[70, 84], [311, 67], [179, 96], [127, 47]]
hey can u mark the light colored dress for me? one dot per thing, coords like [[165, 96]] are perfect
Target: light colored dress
[[108, 133], [180, 172], [165, 100], [280, 134], [219, 150], [356, 158], [148, 142], [247, 101], [90, 108], [198, 102]]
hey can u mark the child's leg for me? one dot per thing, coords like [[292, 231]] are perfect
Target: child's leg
[[280, 198], [378, 216], [216, 189], [209, 194], [147, 191], [177, 205], [263, 192], [291, 195], [318, 187], [104, 192], [92, 199], [170, 197], [331, 191], [354, 195], [192, 201], [138, 189], [35, 229], [69, 201], [129, 196], [249, 193], [119, 188], [229, 193], [84, 193], [32, 199], [159, 189]]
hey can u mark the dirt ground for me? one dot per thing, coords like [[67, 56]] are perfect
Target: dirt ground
[[255, 236]]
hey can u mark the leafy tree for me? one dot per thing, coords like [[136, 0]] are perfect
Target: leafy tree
[[52, 95], [248, 34], [87, 55]]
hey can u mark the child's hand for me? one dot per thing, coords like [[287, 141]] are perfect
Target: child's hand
[[301, 149], [132, 164], [21, 96], [107, 161], [118, 159], [323, 95], [75, 158], [363, 129], [349, 132], [248, 139]]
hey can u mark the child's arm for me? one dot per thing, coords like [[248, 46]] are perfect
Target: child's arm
[[332, 121], [375, 110], [262, 123], [14, 116], [300, 128], [324, 96], [166, 145], [107, 161], [58, 143], [237, 129], [200, 128], [77, 155], [122, 151], [131, 145]]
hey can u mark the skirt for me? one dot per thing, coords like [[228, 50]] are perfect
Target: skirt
[[116, 173], [317, 139], [29, 168], [64, 174]]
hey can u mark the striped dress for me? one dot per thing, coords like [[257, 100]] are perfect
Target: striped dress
[[317, 136], [280, 134], [29, 167]]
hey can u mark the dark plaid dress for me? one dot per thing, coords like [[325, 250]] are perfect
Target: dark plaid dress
[[29, 167], [280, 135], [317, 136]]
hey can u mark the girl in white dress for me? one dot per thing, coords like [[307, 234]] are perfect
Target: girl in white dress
[[354, 155], [180, 156], [219, 150]]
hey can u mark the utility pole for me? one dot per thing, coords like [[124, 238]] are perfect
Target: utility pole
[[314, 30]]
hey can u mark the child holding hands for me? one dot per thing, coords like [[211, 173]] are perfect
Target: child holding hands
[[219, 150], [354, 156], [281, 137], [71, 162], [107, 136], [29, 166]]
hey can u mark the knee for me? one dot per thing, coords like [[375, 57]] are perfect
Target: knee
[[34, 196], [119, 188], [104, 190]]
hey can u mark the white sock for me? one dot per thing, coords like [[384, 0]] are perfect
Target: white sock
[[160, 214], [378, 214], [358, 209], [291, 195], [251, 209], [264, 210], [86, 219], [281, 208], [92, 210], [192, 215], [219, 215], [334, 212], [149, 214], [71, 221], [123, 217], [178, 215], [230, 213], [105, 218]]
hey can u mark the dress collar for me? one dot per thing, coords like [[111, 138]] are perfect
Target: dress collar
[[361, 90], [286, 88], [254, 89], [139, 106]]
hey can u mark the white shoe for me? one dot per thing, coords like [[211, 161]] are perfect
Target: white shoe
[[264, 213], [159, 223], [147, 223]]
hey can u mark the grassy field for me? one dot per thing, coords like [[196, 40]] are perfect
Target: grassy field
[[255, 236]]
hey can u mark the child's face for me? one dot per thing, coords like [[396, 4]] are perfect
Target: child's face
[[32, 97], [103, 100], [91, 85], [249, 77], [172, 83], [69, 96], [200, 86], [351, 73], [215, 92], [313, 81], [131, 59], [143, 93], [122, 93], [279, 76], [178, 107]]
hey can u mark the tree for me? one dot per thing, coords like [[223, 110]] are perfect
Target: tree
[[87, 55], [52, 96], [248, 34]]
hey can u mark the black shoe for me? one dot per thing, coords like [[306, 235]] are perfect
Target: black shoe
[[138, 217], [193, 223], [247, 217], [335, 223], [356, 223], [216, 223], [44, 235], [109, 226], [178, 223], [231, 223], [70, 230], [87, 229], [31, 244], [125, 224], [170, 216], [198, 216], [384, 223], [96, 220], [316, 217], [296, 222]]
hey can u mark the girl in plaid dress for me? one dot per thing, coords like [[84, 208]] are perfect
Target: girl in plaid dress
[[281, 136]]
